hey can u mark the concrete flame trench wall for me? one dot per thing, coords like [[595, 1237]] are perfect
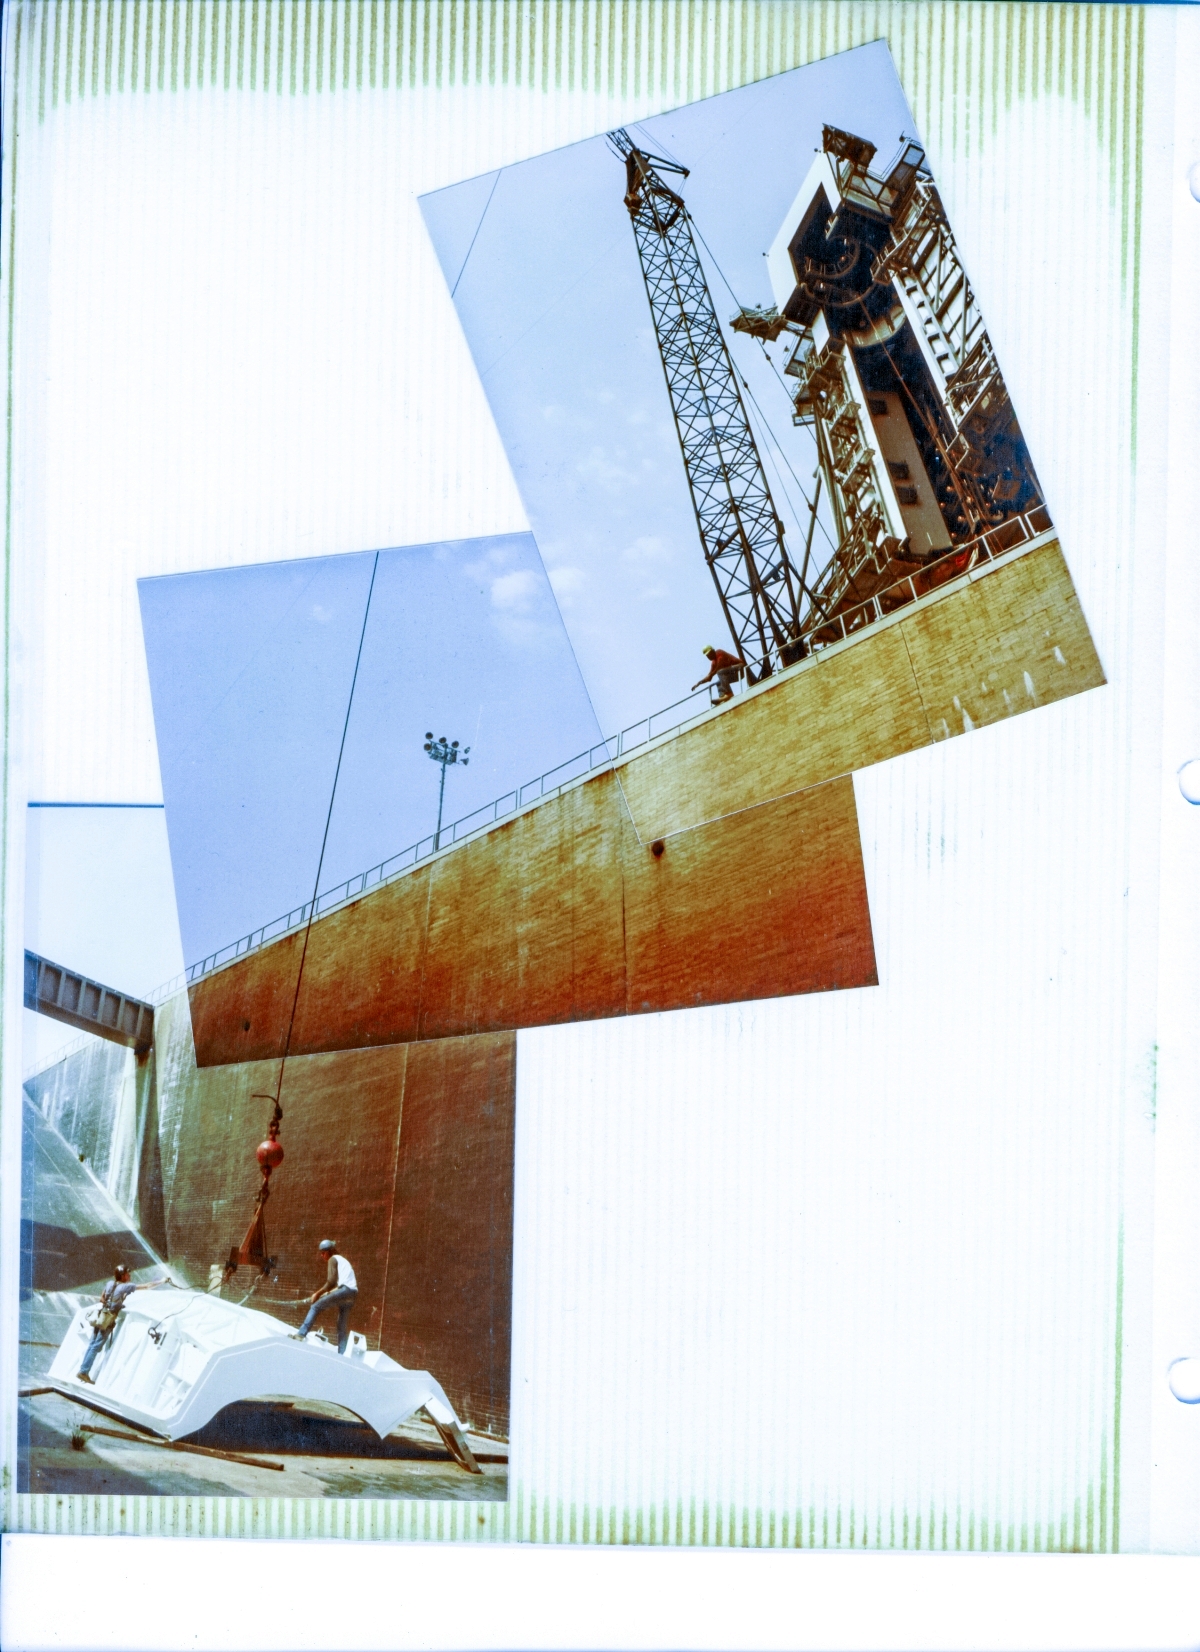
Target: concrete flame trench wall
[[403, 1154], [564, 913]]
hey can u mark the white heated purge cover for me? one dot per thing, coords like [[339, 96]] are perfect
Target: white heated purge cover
[[176, 1357]]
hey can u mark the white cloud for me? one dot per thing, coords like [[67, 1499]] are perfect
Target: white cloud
[[647, 551], [565, 582], [515, 591], [609, 470], [484, 569]]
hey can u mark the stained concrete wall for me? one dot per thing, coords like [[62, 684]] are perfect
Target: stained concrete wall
[[565, 914], [1000, 641], [101, 1100], [399, 1099], [403, 1154]]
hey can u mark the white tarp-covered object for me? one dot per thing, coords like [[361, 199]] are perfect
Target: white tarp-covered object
[[176, 1357]]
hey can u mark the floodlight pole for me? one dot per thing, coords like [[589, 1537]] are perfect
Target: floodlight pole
[[445, 752]]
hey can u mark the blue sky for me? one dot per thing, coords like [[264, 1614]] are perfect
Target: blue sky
[[548, 287], [250, 673], [483, 640]]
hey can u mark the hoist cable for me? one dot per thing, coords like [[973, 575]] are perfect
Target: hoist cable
[[312, 907]]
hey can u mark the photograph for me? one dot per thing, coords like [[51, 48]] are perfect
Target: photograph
[[290, 701]]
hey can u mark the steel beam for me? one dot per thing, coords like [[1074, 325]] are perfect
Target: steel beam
[[64, 994]]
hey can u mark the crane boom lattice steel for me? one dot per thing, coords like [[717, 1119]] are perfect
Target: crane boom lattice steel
[[740, 530]]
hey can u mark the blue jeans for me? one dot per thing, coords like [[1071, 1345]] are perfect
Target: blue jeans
[[343, 1298], [99, 1338]]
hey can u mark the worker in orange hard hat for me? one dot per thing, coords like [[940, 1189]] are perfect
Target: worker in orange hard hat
[[726, 668]]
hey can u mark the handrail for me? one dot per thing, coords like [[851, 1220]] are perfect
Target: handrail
[[923, 581], [541, 788], [825, 633]]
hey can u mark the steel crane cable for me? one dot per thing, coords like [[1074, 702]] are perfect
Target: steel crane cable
[[750, 392], [583, 275], [812, 509], [312, 908], [656, 143], [269, 1153], [831, 543], [463, 268], [805, 587], [768, 447], [255, 659]]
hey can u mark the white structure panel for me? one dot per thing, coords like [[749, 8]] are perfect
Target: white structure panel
[[175, 1359], [782, 272]]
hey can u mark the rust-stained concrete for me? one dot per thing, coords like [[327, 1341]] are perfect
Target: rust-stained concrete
[[403, 1154], [564, 913], [962, 658]]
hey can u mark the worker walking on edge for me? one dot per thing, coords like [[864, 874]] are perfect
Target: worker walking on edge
[[726, 668], [339, 1291], [104, 1318]]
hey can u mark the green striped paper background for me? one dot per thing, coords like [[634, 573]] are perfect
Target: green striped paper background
[[983, 80]]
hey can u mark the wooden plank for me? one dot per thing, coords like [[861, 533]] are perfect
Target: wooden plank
[[183, 1445], [455, 1443]]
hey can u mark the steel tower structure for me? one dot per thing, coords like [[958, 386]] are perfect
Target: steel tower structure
[[918, 446], [740, 530]]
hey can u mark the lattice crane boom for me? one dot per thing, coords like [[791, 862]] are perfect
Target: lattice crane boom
[[758, 587]]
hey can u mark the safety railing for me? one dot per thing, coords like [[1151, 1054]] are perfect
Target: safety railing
[[83, 1040], [923, 581], [540, 789], [669, 720]]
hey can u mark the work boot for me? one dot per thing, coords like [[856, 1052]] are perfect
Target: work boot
[[297, 1336], [83, 1377]]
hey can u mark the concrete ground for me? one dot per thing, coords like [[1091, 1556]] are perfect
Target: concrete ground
[[325, 1453]]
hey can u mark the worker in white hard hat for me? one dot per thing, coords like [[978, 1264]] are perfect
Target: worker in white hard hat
[[339, 1291], [726, 668]]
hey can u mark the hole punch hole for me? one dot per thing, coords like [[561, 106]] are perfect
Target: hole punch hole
[[1183, 1379], [658, 848]]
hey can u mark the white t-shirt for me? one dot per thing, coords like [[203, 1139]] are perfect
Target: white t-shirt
[[346, 1279]]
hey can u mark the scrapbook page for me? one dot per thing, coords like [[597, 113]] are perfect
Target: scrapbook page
[[598, 821]]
